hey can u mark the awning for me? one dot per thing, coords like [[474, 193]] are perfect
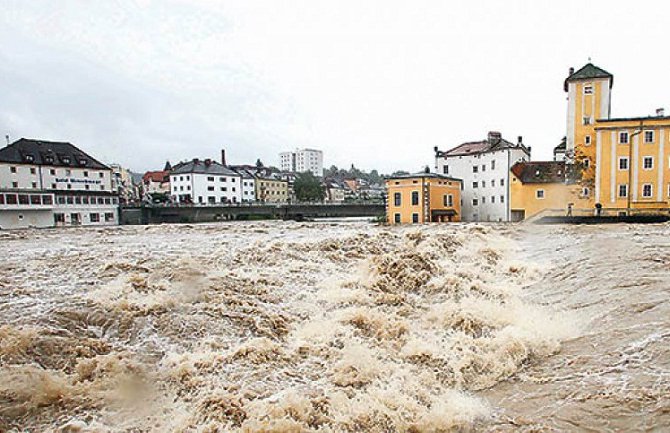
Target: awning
[[443, 212]]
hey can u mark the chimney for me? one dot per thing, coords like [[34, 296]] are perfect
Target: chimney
[[571, 71], [223, 156], [208, 162], [660, 112], [494, 136], [520, 140], [196, 161]]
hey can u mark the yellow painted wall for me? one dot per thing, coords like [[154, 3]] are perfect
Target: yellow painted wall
[[436, 189], [611, 150], [556, 196]]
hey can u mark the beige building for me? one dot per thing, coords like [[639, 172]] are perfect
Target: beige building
[[270, 189]]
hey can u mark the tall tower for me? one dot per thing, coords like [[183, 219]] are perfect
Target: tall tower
[[589, 99]]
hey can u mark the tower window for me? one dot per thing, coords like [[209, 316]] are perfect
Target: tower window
[[587, 140], [646, 190], [539, 193], [588, 89], [587, 120]]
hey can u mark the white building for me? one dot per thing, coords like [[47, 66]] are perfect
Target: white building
[[47, 184], [484, 167], [205, 182], [248, 182], [301, 161]]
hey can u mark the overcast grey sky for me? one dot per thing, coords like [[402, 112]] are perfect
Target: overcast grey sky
[[374, 83]]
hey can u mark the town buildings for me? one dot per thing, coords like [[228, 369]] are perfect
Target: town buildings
[[205, 182], [617, 165], [157, 182], [123, 184], [484, 166], [48, 183], [423, 197], [301, 161]]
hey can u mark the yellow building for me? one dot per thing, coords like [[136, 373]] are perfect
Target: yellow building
[[628, 159], [422, 198], [615, 163], [536, 187], [271, 190]]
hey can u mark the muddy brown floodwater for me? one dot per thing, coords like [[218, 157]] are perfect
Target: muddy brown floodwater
[[335, 327]]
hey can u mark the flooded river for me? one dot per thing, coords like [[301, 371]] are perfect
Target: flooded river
[[335, 327]]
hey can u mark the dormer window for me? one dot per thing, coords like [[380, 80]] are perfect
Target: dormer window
[[65, 159], [49, 159], [29, 158], [82, 161]]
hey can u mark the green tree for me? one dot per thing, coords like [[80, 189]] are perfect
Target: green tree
[[259, 163], [308, 187]]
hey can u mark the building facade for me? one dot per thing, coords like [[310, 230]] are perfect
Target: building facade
[[270, 188], [422, 198], [484, 166], [47, 184], [301, 161], [205, 182]]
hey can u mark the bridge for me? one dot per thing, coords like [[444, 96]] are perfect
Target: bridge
[[201, 214]]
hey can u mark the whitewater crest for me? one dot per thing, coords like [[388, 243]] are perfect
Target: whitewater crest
[[265, 327]]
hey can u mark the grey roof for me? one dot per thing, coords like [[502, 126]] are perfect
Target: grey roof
[[619, 119], [51, 153], [562, 146], [198, 166], [588, 72]]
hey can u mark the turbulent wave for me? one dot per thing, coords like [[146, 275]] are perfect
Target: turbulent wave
[[264, 327]]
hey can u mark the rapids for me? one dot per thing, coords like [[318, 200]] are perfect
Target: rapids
[[335, 327]]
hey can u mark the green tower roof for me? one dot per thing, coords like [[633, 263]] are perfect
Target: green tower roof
[[587, 72]]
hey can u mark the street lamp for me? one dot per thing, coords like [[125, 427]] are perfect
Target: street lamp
[[630, 167]]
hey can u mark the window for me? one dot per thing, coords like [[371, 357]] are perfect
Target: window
[[646, 190], [483, 167], [224, 189], [588, 89], [415, 218], [23, 199], [623, 163], [445, 169], [449, 200], [483, 200], [396, 218], [585, 192], [475, 169], [648, 162], [587, 140], [211, 200], [502, 182], [101, 200], [587, 163], [101, 174], [539, 194], [2, 199], [483, 184], [108, 200], [210, 188], [222, 179], [623, 137], [52, 172], [84, 200], [77, 200], [502, 199], [396, 199], [87, 187], [493, 199], [109, 216], [85, 173], [493, 165], [648, 136], [12, 169], [210, 179], [61, 200], [586, 120], [493, 182], [34, 184], [15, 184], [69, 186], [47, 199], [475, 202], [35, 199], [94, 217], [475, 184], [181, 177], [59, 218], [32, 170], [11, 199], [68, 172], [54, 186]]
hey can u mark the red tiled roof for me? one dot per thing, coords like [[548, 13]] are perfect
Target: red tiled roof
[[156, 176], [468, 148]]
